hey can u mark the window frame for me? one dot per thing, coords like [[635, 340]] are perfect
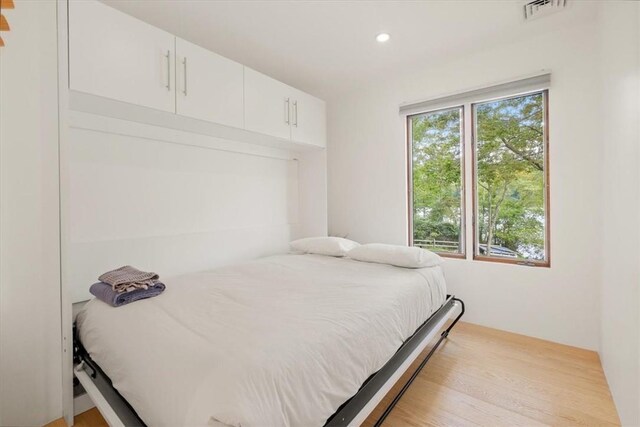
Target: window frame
[[546, 262], [463, 178]]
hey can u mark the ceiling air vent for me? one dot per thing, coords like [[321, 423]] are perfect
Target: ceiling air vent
[[538, 8]]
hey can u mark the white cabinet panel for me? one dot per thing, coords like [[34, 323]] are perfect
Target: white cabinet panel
[[117, 56], [308, 119], [266, 105], [210, 87]]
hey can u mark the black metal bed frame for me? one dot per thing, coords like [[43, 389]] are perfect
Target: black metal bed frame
[[346, 413], [350, 409]]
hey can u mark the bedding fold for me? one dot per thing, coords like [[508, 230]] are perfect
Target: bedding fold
[[104, 292], [128, 278]]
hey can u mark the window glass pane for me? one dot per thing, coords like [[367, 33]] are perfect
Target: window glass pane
[[510, 172], [436, 141]]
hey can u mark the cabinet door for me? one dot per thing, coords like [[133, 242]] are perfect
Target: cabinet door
[[114, 55], [266, 105], [210, 86], [308, 119]]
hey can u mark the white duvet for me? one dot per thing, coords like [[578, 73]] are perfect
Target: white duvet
[[282, 341]]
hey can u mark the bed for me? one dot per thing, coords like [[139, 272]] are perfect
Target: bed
[[284, 340]]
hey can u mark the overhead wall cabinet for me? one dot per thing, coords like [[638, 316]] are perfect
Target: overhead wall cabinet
[[279, 110], [210, 86], [309, 121], [267, 105], [116, 56]]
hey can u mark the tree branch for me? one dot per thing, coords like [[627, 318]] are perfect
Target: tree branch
[[536, 164]]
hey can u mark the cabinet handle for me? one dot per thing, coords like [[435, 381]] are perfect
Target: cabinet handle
[[286, 110], [184, 64], [168, 56], [295, 113]]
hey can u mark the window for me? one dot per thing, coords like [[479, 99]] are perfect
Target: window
[[507, 180], [510, 179], [437, 180]]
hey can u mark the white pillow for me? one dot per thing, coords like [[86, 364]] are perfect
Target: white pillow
[[400, 256], [332, 246]]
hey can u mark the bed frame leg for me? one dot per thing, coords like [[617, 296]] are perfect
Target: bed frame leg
[[446, 331], [444, 335]]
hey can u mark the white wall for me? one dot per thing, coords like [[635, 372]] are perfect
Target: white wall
[[620, 334], [367, 179], [30, 347], [312, 194]]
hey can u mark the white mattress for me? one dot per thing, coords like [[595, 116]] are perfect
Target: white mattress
[[282, 341]]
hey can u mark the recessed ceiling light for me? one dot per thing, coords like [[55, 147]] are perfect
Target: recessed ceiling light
[[383, 37]]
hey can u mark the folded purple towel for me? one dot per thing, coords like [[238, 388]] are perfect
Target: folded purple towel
[[105, 292]]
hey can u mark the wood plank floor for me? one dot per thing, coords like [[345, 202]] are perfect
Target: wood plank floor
[[91, 418], [482, 376]]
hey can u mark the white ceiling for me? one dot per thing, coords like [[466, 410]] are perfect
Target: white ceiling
[[328, 46]]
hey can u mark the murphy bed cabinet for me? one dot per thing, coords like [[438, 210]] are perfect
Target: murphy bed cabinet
[[113, 55]]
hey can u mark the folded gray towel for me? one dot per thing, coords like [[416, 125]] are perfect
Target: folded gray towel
[[104, 292], [128, 278]]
